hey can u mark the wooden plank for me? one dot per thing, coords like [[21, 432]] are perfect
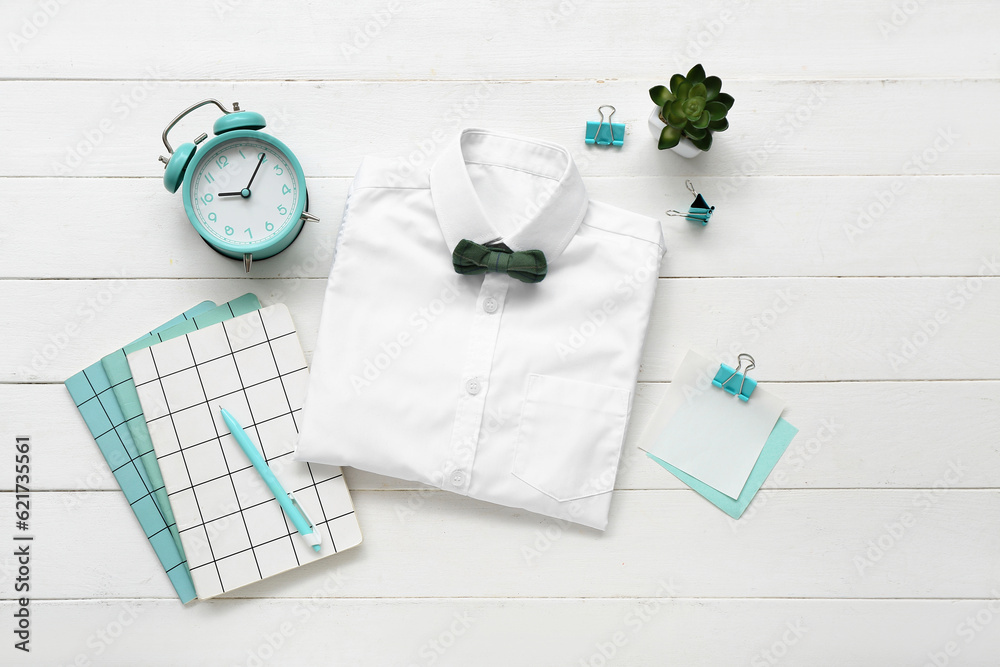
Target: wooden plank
[[803, 226], [800, 543], [390, 39], [778, 127], [851, 435], [799, 329], [658, 629]]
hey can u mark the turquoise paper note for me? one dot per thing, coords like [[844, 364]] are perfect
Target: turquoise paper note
[[94, 398], [781, 436], [120, 376]]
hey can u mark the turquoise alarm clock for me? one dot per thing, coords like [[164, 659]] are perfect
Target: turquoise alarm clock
[[244, 191]]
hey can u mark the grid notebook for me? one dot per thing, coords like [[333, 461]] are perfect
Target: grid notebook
[[120, 376], [233, 530], [93, 394]]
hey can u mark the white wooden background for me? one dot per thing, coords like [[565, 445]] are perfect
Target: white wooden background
[[876, 540]]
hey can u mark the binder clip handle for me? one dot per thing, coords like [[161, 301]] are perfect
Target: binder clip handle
[[600, 110], [598, 133]]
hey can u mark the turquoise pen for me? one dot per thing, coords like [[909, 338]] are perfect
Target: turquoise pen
[[285, 499]]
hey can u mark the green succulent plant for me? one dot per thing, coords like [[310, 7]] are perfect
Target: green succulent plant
[[694, 106]]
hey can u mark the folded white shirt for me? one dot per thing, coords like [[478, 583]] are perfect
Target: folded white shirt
[[514, 393]]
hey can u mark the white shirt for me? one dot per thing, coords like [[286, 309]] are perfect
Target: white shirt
[[513, 393]]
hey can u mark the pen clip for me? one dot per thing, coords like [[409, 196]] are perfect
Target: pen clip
[[295, 501]]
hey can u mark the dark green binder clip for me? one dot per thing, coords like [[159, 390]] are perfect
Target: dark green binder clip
[[699, 211]]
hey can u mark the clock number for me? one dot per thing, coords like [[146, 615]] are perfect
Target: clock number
[[278, 170], [268, 226], [222, 161], [248, 232], [212, 216], [282, 210], [209, 177], [229, 230], [262, 157], [241, 154], [207, 198], [285, 189]]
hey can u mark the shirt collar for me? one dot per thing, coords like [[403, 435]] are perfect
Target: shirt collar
[[548, 224]]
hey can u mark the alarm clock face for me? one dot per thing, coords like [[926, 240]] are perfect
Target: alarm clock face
[[245, 192]]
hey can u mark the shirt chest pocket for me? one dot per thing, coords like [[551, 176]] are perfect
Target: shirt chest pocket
[[569, 436]]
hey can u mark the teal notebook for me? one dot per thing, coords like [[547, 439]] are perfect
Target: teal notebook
[[781, 436], [120, 376], [94, 398]]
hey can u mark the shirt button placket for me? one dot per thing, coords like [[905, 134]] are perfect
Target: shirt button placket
[[477, 368]]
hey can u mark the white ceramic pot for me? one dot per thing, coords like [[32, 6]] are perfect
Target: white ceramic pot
[[684, 147]]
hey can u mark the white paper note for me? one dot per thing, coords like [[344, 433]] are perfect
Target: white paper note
[[707, 432]]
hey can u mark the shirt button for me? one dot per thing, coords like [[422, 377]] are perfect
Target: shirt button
[[473, 386], [457, 478], [490, 305]]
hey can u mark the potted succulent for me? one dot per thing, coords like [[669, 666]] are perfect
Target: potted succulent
[[688, 112]]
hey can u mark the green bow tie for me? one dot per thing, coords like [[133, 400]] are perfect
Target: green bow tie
[[528, 266]]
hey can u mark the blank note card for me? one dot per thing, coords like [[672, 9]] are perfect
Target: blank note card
[[707, 432]]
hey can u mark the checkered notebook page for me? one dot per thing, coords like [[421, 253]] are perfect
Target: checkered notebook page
[[94, 396], [233, 530]]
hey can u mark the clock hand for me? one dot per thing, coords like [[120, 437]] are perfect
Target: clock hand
[[259, 162], [245, 192]]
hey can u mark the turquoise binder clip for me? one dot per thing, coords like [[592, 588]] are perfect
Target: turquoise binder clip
[[727, 378], [699, 211], [605, 133]]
